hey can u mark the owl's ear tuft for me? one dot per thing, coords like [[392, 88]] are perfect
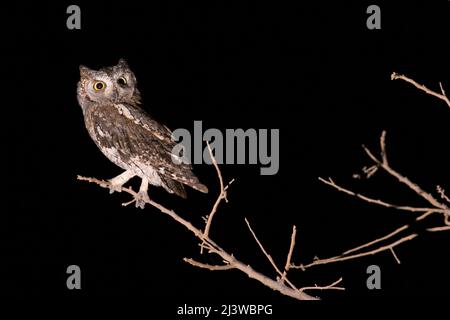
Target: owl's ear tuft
[[84, 71], [123, 63]]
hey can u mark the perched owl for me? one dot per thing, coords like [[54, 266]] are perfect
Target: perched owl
[[127, 135]]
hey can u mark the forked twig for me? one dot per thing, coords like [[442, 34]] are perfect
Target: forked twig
[[441, 95]]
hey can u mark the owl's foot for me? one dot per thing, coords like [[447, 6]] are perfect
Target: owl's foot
[[141, 198], [115, 184]]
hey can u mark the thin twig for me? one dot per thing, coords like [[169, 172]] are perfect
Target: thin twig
[[331, 183], [413, 186], [423, 216], [331, 286], [287, 266], [222, 194], [444, 228], [208, 266], [269, 257], [383, 148], [395, 256], [441, 192], [341, 258], [442, 96], [371, 243]]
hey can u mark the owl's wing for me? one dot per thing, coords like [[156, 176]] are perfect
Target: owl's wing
[[143, 142], [141, 118]]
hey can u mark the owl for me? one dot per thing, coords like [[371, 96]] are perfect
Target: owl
[[128, 136]]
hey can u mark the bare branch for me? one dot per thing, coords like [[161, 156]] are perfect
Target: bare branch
[[383, 148], [331, 286], [395, 256], [341, 258], [287, 266], [443, 228], [425, 215], [161, 208], [442, 88], [382, 162], [208, 266], [438, 206], [222, 194], [268, 256], [230, 260], [371, 243], [441, 192], [442, 96], [414, 187], [331, 183]]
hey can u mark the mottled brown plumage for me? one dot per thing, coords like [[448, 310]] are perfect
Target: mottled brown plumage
[[127, 135]]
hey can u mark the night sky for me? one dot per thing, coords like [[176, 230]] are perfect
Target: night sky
[[315, 72]]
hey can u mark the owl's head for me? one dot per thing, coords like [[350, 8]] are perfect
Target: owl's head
[[125, 81], [95, 86], [110, 84]]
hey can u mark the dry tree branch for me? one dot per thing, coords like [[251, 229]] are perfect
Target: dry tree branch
[[331, 183], [413, 186], [208, 266], [443, 228], [425, 215], [382, 162], [441, 95], [332, 286], [371, 243], [222, 195], [283, 275], [438, 207], [441, 192], [344, 257], [268, 256], [230, 261], [287, 266]]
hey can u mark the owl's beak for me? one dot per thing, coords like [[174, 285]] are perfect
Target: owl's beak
[[84, 71]]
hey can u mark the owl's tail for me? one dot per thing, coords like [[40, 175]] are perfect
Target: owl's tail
[[173, 186], [199, 187]]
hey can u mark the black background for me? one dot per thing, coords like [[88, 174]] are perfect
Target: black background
[[313, 71]]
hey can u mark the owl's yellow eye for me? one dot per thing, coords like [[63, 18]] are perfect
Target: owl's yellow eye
[[99, 85], [122, 81]]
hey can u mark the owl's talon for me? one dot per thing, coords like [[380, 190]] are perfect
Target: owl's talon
[[141, 199]]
